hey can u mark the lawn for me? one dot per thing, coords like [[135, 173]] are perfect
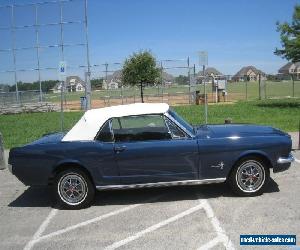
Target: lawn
[[284, 114]]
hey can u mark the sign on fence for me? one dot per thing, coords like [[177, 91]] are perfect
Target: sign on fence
[[62, 68]]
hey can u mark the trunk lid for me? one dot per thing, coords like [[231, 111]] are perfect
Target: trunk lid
[[49, 138]]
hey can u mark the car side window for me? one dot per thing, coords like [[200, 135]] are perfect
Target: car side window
[[140, 128], [105, 133], [176, 132]]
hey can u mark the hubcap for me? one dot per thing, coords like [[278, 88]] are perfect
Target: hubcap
[[250, 176], [72, 189]]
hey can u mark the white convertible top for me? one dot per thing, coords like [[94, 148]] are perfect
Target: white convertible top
[[90, 123]]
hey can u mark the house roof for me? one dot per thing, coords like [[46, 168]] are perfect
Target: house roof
[[77, 80], [117, 75], [210, 71], [88, 126], [285, 68], [243, 71]]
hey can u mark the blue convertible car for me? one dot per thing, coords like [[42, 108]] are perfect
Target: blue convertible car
[[149, 145]]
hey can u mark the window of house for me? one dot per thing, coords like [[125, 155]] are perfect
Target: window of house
[[140, 128]]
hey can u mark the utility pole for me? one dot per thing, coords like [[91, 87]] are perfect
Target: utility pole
[[161, 81], [62, 84], [37, 44], [88, 82], [203, 61], [189, 76], [205, 95]]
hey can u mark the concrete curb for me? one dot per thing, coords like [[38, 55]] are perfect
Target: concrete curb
[[2, 156], [295, 139]]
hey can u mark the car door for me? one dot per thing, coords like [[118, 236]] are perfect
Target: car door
[[104, 157], [147, 151]]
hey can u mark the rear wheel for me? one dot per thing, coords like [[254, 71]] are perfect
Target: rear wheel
[[73, 189], [249, 177]]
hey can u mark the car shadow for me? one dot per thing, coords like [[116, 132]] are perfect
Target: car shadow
[[33, 197], [41, 197]]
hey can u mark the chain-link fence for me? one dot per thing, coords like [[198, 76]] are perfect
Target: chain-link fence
[[174, 91], [10, 98]]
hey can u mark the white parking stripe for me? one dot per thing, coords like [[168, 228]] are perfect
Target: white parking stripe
[[37, 236], [211, 244], [222, 237], [154, 227], [296, 160], [41, 229]]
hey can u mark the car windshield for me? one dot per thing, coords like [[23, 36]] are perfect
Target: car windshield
[[181, 121]]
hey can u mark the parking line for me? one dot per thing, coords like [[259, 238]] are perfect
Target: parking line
[[296, 160], [41, 229], [221, 234], [154, 227], [37, 236], [211, 244]]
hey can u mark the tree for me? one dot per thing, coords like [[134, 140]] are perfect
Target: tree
[[290, 38], [181, 79], [97, 83], [140, 69]]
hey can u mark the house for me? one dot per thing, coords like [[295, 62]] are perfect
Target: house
[[210, 73], [249, 73], [72, 84], [290, 69], [113, 81]]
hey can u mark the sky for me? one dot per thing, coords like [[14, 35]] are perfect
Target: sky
[[235, 33]]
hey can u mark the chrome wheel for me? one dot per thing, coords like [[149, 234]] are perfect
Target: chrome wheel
[[72, 188], [250, 176]]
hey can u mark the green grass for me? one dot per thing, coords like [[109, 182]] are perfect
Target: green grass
[[284, 114]]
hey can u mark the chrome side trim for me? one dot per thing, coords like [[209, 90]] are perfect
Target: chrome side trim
[[283, 160], [162, 184]]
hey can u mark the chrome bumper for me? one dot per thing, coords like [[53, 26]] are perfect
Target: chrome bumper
[[283, 160]]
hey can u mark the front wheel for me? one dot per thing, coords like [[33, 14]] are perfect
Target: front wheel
[[73, 189], [249, 177]]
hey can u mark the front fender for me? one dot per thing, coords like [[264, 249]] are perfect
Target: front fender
[[260, 153]]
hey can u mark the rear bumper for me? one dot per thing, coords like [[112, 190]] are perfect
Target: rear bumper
[[283, 163]]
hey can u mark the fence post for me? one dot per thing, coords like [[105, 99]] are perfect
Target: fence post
[[2, 157], [299, 136], [259, 87], [293, 85]]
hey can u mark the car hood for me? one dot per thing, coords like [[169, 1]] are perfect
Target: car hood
[[237, 130]]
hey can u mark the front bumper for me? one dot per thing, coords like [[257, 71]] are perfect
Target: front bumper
[[283, 163], [284, 160]]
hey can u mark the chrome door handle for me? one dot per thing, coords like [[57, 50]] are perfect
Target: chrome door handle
[[119, 148]]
